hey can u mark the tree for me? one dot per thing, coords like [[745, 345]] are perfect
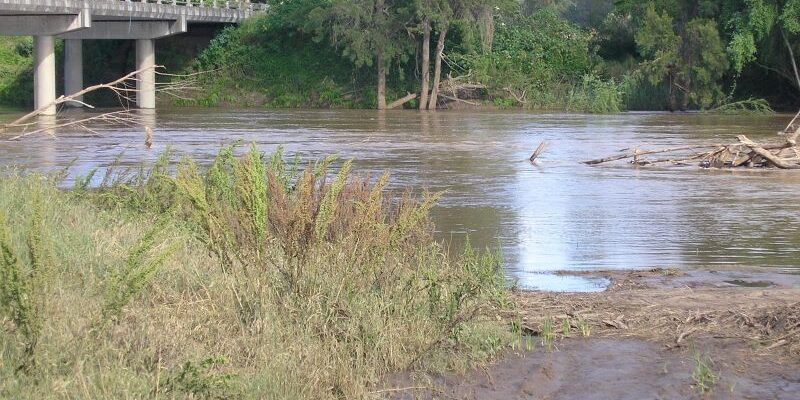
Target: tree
[[688, 55], [369, 32], [754, 22], [441, 14]]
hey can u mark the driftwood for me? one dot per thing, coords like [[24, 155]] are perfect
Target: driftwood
[[744, 153], [403, 100], [538, 152]]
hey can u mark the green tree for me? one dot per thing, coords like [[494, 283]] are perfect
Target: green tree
[[441, 15], [688, 55], [753, 24], [368, 32]]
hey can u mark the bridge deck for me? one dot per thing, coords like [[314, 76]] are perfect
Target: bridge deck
[[193, 10]]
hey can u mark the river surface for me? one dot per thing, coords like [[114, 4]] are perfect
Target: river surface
[[557, 215]]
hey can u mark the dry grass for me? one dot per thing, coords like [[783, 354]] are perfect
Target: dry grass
[[241, 280]]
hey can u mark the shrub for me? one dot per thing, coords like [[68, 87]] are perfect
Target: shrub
[[309, 284]]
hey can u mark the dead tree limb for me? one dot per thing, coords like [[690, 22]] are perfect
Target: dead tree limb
[[538, 152], [639, 153], [403, 100], [766, 154], [118, 86], [123, 87]]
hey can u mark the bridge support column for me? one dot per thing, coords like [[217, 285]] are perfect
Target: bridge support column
[[146, 84], [44, 74], [73, 69]]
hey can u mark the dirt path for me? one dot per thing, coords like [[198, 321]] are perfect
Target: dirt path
[[660, 334]]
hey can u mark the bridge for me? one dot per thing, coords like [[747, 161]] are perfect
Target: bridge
[[75, 20]]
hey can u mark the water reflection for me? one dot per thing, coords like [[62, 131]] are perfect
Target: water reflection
[[556, 215]]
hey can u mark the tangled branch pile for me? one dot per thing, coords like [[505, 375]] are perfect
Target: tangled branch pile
[[745, 152]]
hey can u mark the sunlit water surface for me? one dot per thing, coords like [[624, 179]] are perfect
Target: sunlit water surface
[[553, 216]]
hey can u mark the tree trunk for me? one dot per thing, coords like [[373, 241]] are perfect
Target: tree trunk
[[791, 55], [379, 11], [437, 75], [486, 22], [381, 81], [673, 99], [426, 64]]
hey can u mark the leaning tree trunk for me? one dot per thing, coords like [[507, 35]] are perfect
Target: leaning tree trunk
[[381, 82], [426, 64], [791, 56], [437, 74]]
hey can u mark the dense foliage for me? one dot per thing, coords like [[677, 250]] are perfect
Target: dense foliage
[[577, 55], [16, 76]]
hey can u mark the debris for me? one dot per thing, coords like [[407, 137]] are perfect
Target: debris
[[538, 152], [148, 137], [744, 153]]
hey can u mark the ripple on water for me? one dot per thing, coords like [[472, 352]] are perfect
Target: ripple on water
[[556, 215]]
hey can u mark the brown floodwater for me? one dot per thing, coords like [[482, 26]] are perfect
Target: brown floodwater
[[556, 215]]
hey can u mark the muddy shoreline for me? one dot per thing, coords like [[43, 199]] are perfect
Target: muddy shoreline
[[655, 334]]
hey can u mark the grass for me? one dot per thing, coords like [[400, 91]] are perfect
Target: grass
[[547, 334], [703, 375], [243, 279], [585, 328]]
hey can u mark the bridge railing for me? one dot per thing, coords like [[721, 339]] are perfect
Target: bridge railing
[[223, 4]]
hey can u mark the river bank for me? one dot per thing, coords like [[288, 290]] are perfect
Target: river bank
[[663, 333]]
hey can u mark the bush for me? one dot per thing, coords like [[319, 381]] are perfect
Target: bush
[[534, 59], [308, 284], [596, 96]]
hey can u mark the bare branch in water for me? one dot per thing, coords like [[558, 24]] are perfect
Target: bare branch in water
[[124, 88]]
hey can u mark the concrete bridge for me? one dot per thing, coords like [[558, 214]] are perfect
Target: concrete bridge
[[75, 20]]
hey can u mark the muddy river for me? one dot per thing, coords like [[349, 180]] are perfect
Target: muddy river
[[556, 215]]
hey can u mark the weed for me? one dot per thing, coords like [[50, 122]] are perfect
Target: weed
[[23, 280], [565, 327], [307, 287], [135, 273], [703, 375], [200, 380], [585, 328], [547, 335]]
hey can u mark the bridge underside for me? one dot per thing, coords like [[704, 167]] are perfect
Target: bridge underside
[[76, 20]]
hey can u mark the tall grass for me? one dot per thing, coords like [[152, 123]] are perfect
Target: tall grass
[[257, 281]]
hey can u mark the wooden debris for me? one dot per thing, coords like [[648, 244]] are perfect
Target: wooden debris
[[399, 102], [744, 153], [538, 152]]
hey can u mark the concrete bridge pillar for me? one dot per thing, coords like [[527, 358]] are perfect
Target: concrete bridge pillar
[[73, 69], [146, 84], [44, 74]]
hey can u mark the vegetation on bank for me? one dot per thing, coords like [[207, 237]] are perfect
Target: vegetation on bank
[[246, 279], [578, 55], [575, 55], [16, 71]]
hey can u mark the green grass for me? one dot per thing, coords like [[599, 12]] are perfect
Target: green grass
[[703, 376], [244, 279]]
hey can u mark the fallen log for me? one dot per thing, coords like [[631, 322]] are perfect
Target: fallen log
[[639, 153], [403, 100], [768, 155]]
